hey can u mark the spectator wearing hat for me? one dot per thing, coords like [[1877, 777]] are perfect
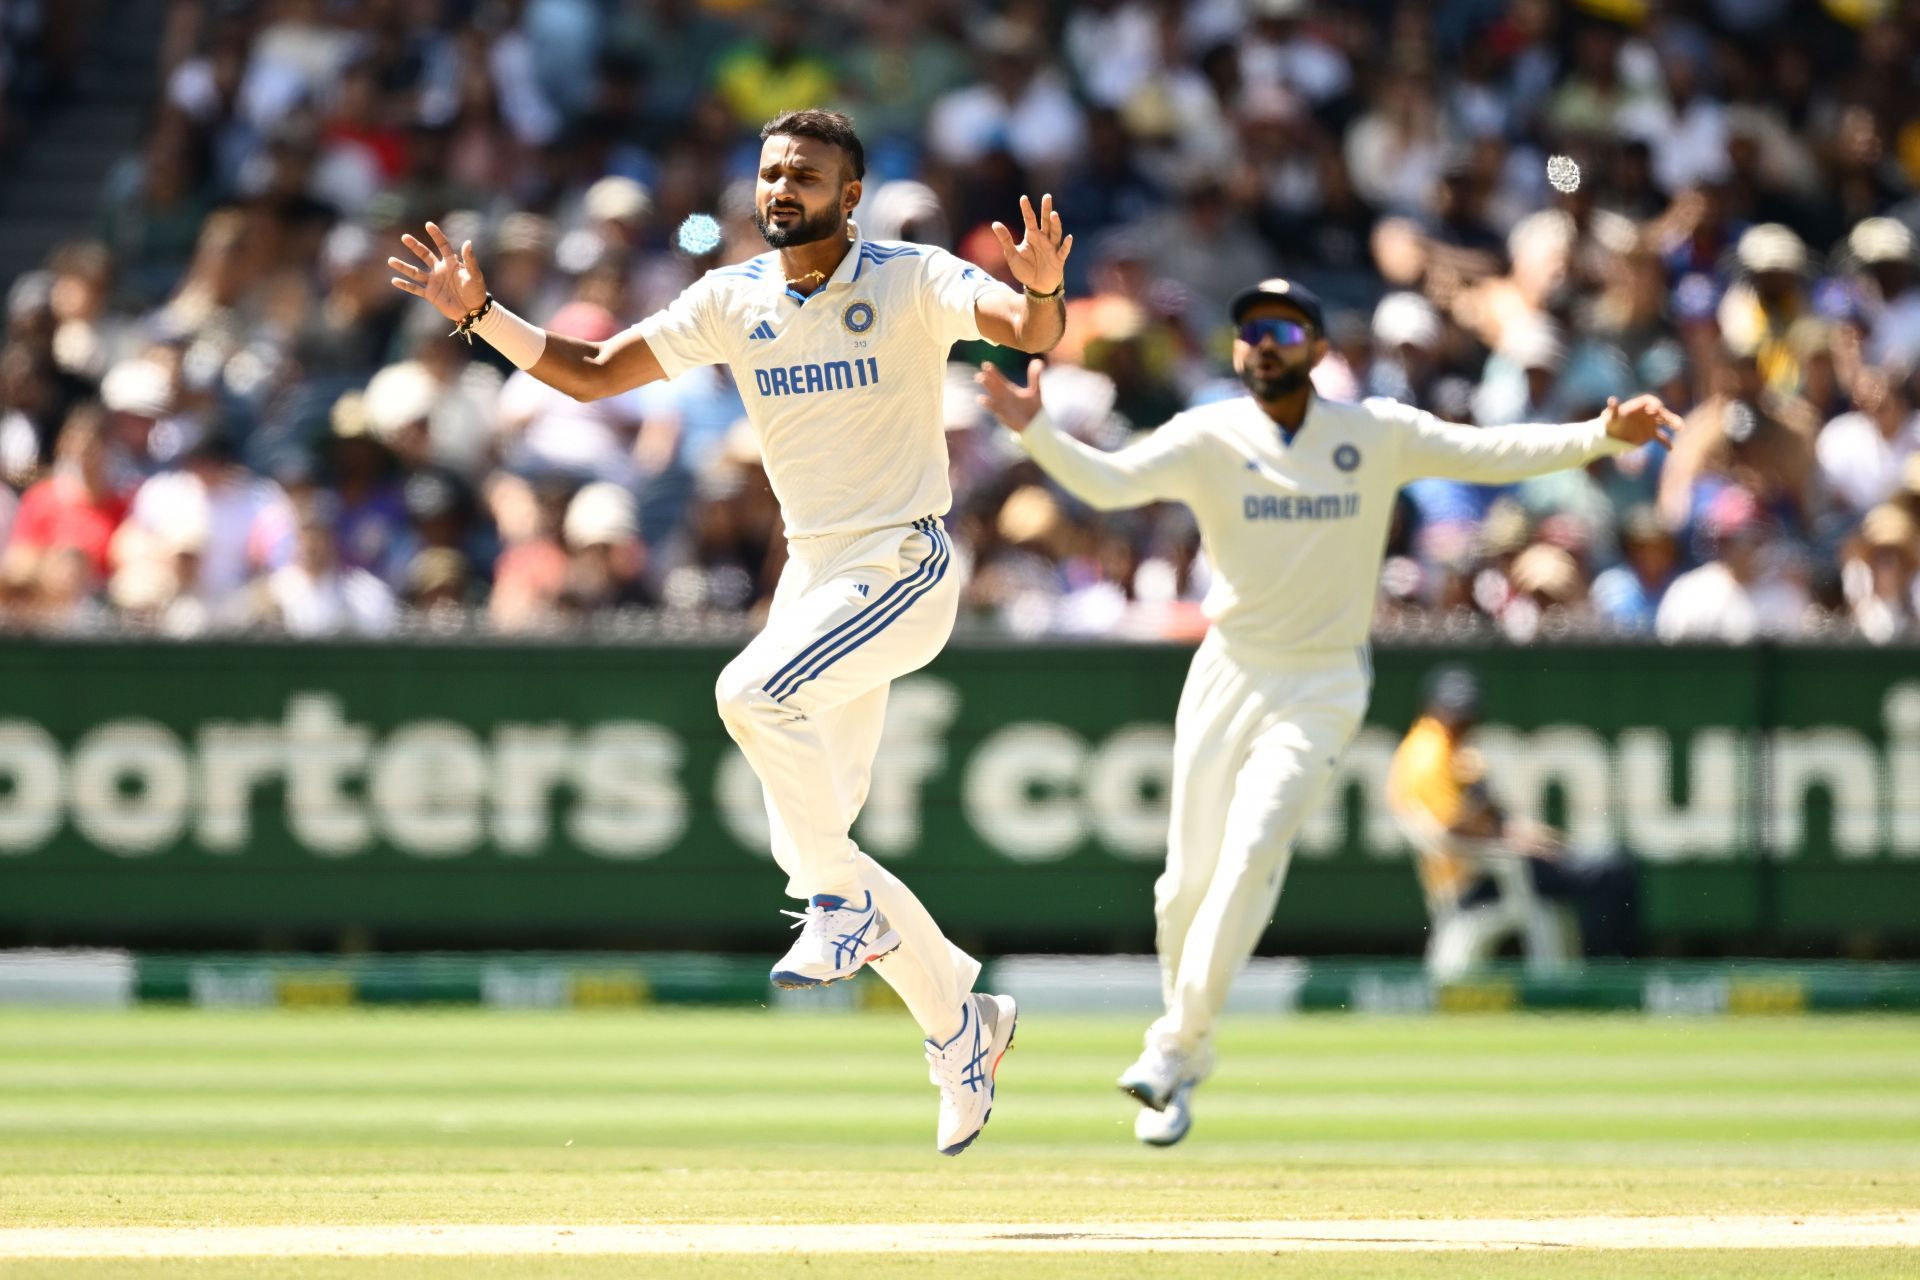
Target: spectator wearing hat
[[398, 405], [1882, 249], [1547, 591], [1522, 376], [1759, 311], [1019, 574], [1744, 592], [370, 514], [1627, 596], [1407, 335], [618, 211], [1862, 453], [138, 395], [606, 558], [438, 585], [1881, 574]]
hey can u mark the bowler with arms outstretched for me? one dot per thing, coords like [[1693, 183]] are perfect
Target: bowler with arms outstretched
[[839, 345]]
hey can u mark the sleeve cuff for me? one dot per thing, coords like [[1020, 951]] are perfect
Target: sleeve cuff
[[1603, 445], [1040, 433]]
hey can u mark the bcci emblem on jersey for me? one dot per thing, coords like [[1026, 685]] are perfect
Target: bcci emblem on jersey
[[1347, 458], [858, 317]]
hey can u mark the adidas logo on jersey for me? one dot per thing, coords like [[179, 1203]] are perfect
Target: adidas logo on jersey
[[761, 330]]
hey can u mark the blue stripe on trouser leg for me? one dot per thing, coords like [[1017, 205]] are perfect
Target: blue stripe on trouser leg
[[783, 679], [799, 659], [924, 580], [872, 622]]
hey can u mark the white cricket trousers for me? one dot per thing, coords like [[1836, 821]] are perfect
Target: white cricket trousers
[[1255, 742], [807, 701]]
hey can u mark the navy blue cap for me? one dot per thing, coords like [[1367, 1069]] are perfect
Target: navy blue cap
[[1453, 690], [1305, 300]]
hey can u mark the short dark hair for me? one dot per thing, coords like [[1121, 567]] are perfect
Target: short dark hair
[[822, 126]]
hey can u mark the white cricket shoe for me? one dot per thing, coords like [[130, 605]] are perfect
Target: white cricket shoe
[[964, 1069], [1164, 1128], [1153, 1077], [836, 938]]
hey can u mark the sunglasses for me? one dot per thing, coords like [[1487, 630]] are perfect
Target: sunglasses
[[1287, 333]]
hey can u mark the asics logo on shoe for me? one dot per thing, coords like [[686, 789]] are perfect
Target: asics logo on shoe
[[976, 1075], [848, 945]]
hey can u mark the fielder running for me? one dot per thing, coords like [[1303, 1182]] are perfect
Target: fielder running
[[1293, 495], [839, 346]]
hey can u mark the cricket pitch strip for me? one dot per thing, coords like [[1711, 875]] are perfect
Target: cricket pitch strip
[[1719, 1231]]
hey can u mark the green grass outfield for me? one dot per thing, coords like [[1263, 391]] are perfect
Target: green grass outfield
[[166, 1118]]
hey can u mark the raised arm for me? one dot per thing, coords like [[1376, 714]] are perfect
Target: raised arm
[[453, 283], [1035, 318], [1499, 455], [1154, 470]]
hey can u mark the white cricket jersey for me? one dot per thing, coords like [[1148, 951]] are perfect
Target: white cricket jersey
[[843, 387], [1296, 531]]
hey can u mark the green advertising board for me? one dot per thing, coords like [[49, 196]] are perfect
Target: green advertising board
[[415, 795]]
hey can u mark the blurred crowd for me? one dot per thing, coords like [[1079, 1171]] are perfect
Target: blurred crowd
[[215, 412]]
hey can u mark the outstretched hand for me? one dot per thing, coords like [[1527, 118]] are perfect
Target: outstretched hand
[[1641, 419], [1039, 261], [1016, 407], [450, 281]]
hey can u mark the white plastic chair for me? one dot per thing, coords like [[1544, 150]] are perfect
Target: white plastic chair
[[1461, 939]]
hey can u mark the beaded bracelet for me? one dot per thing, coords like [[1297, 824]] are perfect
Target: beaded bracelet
[[465, 328]]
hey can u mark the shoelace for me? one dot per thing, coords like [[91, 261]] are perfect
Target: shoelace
[[847, 944]]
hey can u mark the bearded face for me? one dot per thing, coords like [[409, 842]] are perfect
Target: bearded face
[[786, 223], [1275, 351], [804, 192]]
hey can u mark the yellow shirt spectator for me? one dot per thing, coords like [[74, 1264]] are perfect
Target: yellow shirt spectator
[[759, 81], [1428, 787]]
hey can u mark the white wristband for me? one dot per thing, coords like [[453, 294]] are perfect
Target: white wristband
[[512, 337]]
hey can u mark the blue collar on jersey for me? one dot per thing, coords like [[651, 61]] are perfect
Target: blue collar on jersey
[[846, 273], [1288, 437]]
